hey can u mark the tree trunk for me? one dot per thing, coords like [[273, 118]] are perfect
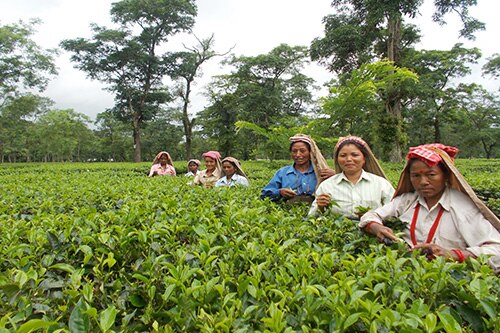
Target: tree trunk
[[137, 138], [393, 101], [188, 125], [437, 131]]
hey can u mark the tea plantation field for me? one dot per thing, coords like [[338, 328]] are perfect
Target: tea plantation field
[[103, 248]]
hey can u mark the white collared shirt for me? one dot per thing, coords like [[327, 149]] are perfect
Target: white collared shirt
[[370, 191], [235, 180]]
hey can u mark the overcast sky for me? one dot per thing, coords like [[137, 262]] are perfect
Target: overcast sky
[[252, 27]]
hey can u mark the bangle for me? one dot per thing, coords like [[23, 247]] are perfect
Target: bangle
[[460, 255], [368, 226]]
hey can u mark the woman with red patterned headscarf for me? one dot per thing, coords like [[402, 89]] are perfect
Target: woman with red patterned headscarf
[[213, 171], [162, 165], [443, 215]]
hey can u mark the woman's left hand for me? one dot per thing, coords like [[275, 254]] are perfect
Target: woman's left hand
[[431, 251]]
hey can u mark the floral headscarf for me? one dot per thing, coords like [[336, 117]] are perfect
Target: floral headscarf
[[371, 163]]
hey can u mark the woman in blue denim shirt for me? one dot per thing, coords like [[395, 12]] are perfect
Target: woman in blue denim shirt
[[300, 179]]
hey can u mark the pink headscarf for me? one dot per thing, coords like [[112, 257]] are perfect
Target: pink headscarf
[[212, 154], [158, 156], [429, 155]]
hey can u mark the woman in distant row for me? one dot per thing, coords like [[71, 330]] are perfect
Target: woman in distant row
[[360, 181], [162, 165], [233, 173], [213, 171], [299, 180], [193, 166], [444, 217]]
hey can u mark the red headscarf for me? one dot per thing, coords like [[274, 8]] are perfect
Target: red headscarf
[[430, 155]]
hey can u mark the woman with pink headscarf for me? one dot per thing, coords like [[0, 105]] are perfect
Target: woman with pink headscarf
[[213, 171], [443, 215], [162, 165]]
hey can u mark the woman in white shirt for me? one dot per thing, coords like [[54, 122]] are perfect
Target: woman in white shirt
[[443, 215], [359, 182], [233, 173]]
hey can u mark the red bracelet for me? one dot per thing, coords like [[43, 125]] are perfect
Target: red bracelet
[[460, 254], [367, 227]]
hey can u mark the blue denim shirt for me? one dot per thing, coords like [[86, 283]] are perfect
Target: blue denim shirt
[[289, 177]]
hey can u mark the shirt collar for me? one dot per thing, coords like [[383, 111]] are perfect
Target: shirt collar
[[293, 170], [444, 201], [364, 176]]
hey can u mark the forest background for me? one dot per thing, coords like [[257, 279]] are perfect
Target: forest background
[[385, 89]]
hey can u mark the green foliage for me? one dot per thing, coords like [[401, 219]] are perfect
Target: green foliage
[[101, 247]]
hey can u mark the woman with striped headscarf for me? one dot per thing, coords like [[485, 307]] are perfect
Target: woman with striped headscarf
[[443, 215], [298, 182], [233, 173], [359, 182]]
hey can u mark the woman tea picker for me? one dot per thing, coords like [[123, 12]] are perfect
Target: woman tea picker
[[443, 215], [213, 171], [298, 182], [360, 181], [162, 165]]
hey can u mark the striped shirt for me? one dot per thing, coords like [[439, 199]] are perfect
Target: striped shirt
[[370, 191]]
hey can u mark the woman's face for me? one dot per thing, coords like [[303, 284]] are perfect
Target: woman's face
[[300, 153], [229, 169], [351, 159], [428, 182], [193, 167], [163, 159], [209, 163]]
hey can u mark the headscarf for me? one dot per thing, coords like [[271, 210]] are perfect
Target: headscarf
[[195, 161], [236, 163], [371, 163], [317, 159], [159, 155], [215, 155], [432, 154]]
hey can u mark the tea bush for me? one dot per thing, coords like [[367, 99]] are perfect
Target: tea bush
[[102, 247]]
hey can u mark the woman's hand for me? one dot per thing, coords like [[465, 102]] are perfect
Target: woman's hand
[[381, 231], [432, 251], [323, 200], [326, 173], [287, 193]]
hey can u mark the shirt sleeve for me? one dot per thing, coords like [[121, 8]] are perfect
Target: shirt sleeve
[[314, 210], [272, 189], [380, 214], [173, 171], [477, 232], [387, 192]]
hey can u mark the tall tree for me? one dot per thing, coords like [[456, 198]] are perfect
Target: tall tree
[[433, 98], [129, 59], [23, 63], [481, 122], [61, 135], [265, 90], [188, 68], [363, 30]]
